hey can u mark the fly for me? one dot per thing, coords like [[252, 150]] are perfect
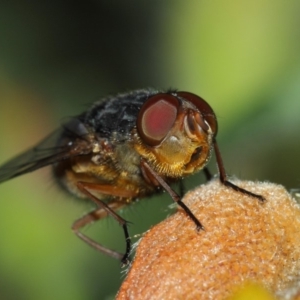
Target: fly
[[126, 147]]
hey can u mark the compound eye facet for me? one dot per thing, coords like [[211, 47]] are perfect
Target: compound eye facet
[[156, 118], [203, 107]]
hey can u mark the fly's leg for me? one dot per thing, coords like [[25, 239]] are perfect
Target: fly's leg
[[181, 188], [223, 176], [207, 174], [102, 211], [154, 177], [90, 218]]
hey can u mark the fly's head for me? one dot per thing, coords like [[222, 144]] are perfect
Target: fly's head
[[175, 133]]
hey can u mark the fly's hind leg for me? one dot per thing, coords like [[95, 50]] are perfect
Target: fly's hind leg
[[91, 217], [102, 211]]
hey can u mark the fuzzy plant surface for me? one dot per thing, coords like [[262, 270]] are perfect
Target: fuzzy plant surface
[[244, 241]]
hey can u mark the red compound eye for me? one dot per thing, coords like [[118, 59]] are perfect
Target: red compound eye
[[156, 118], [203, 107]]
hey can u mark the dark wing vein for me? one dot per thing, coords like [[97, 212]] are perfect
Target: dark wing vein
[[45, 153]]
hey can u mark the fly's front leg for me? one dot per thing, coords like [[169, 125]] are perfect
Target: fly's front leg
[[223, 176], [102, 211], [154, 177]]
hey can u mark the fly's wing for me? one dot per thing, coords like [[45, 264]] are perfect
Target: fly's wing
[[60, 145]]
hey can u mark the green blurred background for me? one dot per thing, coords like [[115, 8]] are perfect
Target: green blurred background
[[58, 57]]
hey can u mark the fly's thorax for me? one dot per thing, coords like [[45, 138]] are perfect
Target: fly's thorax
[[127, 159], [111, 162]]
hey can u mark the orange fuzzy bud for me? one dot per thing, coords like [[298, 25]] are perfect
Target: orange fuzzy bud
[[244, 240]]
